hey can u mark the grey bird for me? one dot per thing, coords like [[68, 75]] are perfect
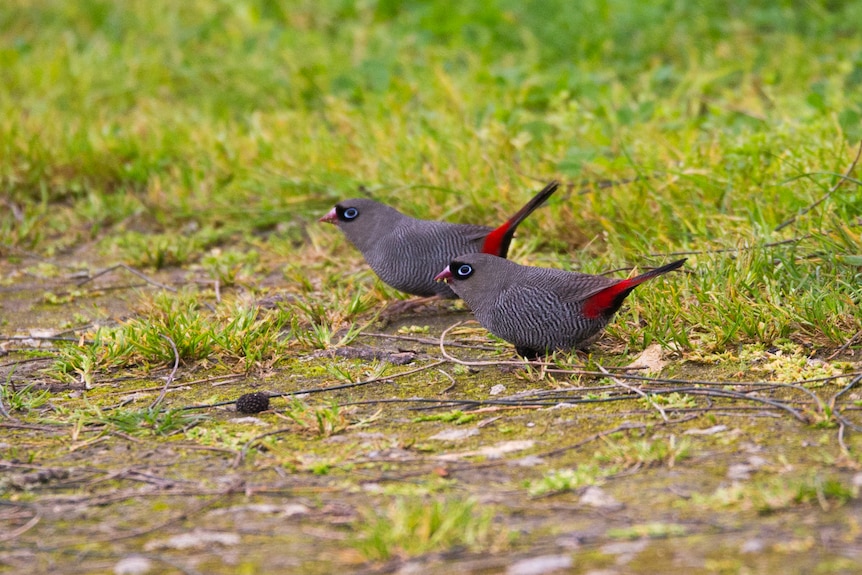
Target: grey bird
[[539, 310], [406, 252]]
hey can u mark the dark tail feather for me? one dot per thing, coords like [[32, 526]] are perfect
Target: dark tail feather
[[497, 242], [610, 299]]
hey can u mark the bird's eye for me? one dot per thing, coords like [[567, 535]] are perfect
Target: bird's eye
[[464, 270], [350, 213]]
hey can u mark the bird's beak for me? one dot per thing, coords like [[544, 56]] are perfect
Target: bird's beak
[[443, 276], [330, 217]]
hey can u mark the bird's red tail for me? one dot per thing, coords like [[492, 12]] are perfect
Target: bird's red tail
[[497, 242], [609, 299]]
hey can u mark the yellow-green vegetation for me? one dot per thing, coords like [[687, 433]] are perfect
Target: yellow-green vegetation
[[457, 417], [414, 526], [162, 168], [321, 421], [645, 452], [560, 480], [239, 336], [777, 493], [653, 530]]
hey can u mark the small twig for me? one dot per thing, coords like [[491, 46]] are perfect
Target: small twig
[[426, 340], [846, 346], [841, 444], [131, 270], [37, 338], [487, 422], [87, 443], [845, 177], [730, 250], [453, 359], [636, 390], [215, 380], [45, 428], [731, 394], [846, 388], [16, 211], [37, 516], [452, 379], [28, 360], [330, 388], [586, 186], [836, 413], [170, 377]]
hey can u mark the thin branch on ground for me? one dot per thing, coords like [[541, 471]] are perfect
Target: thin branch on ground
[[38, 338], [636, 390], [834, 399], [219, 379], [453, 359], [586, 186], [329, 388], [848, 387], [846, 346], [37, 516], [170, 377], [451, 379], [28, 360], [131, 270], [842, 179], [730, 250], [427, 340]]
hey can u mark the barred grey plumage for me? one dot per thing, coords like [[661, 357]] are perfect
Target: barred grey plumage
[[406, 252], [539, 309]]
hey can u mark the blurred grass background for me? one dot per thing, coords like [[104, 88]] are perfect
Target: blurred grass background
[[202, 124]]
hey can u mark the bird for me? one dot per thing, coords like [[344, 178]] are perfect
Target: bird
[[406, 252], [539, 310]]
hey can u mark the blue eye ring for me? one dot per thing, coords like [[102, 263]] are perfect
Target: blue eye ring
[[464, 270], [350, 213]]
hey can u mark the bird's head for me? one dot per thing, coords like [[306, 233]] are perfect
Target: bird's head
[[455, 271], [363, 221], [343, 213]]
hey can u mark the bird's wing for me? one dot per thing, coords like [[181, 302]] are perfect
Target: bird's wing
[[474, 232], [570, 287]]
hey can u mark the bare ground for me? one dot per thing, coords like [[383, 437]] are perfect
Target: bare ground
[[767, 483]]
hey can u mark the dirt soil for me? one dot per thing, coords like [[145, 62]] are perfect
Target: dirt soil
[[754, 478]]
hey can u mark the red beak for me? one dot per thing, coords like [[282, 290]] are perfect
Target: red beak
[[445, 275], [331, 217]]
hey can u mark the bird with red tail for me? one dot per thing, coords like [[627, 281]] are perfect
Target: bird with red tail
[[406, 252], [539, 310]]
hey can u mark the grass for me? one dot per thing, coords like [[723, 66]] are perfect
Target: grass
[[198, 142], [230, 130], [410, 527], [317, 421], [775, 494], [627, 453], [241, 338], [560, 480]]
